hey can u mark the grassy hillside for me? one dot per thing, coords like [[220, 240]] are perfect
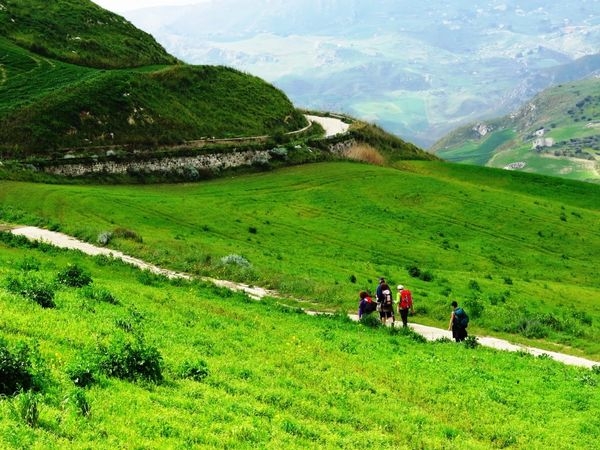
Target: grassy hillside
[[132, 360], [520, 251], [557, 133], [48, 105], [79, 32]]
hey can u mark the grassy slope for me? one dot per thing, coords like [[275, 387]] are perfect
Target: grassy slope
[[48, 104], [564, 111], [276, 379], [519, 250], [79, 32]]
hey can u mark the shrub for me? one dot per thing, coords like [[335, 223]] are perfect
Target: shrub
[[74, 276], [78, 399], [196, 370], [26, 408], [235, 260], [370, 320], [82, 373], [15, 369], [124, 233], [426, 276], [474, 307], [414, 271], [412, 334], [474, 285], [365, 153], [130, 359], [100, 294], [33, 288], [471, 342], [29, 263]]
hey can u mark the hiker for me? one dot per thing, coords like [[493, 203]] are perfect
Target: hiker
[[385, 301], [458, 323], [405, 304], [366, 304]]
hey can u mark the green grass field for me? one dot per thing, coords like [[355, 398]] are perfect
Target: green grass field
[[266, 376], [520, 251]]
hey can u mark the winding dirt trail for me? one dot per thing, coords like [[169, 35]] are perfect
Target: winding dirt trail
[[430, 333]]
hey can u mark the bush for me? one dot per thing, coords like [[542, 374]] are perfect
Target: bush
[[74, 276], [33, 288], [16, 372], [471, 342], [371, 320], [197, 370], [29, 263], [130, 359], [414, 271], [100, 294], [26, 408], [124, 233], [82, 373], [78, 399]]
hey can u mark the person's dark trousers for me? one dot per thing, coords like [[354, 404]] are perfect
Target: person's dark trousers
[[404, 315]]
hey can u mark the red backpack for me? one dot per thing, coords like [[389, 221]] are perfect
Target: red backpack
[[405, 299]]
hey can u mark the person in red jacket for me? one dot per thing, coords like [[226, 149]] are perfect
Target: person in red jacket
[[405, 304]]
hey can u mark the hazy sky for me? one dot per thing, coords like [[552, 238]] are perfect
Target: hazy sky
[[126, 5]]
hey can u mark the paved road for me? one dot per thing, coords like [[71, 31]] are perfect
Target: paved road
[[430, 333]]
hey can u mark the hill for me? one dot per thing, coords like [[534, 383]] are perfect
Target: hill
[[556, 133], [79, 32], [518, 250], [48, 106]]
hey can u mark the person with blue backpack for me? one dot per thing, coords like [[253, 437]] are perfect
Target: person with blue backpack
[[459, 321]]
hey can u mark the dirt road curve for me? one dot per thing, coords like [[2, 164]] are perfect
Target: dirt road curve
[[430, 333], [331, 125]]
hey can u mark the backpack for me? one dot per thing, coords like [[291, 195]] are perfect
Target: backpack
[[461, 317], [387, 298], [405, 299]]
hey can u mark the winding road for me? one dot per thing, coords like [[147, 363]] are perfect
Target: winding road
[[430, 333]]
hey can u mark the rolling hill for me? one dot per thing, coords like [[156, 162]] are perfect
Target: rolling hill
[[556, 133], [144, 97]]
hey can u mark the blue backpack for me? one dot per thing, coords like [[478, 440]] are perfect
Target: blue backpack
[[461, 317]]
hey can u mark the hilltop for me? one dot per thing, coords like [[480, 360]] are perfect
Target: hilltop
[[103, 82], [555, 133], [97, 89]]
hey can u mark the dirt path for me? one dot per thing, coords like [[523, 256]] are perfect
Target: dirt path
[[331, 125], [430, 333]]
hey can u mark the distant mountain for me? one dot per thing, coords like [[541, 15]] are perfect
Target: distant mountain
[[556, 133], [419, 69]]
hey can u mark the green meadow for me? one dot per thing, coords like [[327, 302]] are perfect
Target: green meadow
[[519, 251], [126, 359]]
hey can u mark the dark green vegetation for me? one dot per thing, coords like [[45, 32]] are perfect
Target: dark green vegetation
[[49, 107], [518, 250], [174, 364], [557, 133], [79, 32]]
